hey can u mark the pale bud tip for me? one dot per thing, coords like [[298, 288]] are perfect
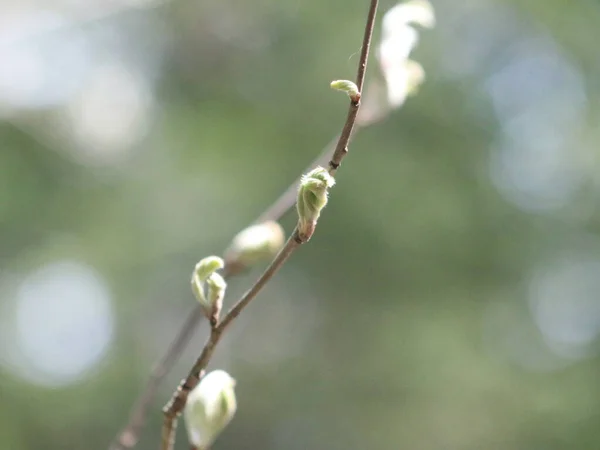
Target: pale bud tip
[[207, 266], [312, 198], [348, 87], [211, 298]]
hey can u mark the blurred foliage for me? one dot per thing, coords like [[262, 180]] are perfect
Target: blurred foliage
[[433, 308]]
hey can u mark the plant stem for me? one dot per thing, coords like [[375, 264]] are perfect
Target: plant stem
[[129, 436], [175, 406], [341, 148]]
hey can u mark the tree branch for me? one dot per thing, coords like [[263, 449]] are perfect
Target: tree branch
[[175, 406], [129, 436], [341, 148]]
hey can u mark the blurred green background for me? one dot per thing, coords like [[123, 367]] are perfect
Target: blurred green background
[[450, 298]]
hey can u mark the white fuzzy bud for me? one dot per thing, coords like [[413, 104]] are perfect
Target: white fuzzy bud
[[209, 408], [253, 245]]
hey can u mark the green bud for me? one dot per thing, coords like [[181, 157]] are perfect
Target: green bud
[[253, 245], [207, 266], [209, 408], [348, 87], [205, 272], [312, 198]]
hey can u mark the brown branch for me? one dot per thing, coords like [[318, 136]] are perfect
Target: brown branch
[[129, 436], [353, 122], [286, 200], [175, 406], [341, 148]]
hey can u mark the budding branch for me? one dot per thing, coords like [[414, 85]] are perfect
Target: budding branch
[[130, 434]]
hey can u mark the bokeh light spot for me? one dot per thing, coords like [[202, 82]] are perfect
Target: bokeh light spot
[[62, 325]]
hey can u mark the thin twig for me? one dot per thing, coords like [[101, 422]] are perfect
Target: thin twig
[[173, 409], [130, 434], [341, 148], [286, 200], [129, 437]]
